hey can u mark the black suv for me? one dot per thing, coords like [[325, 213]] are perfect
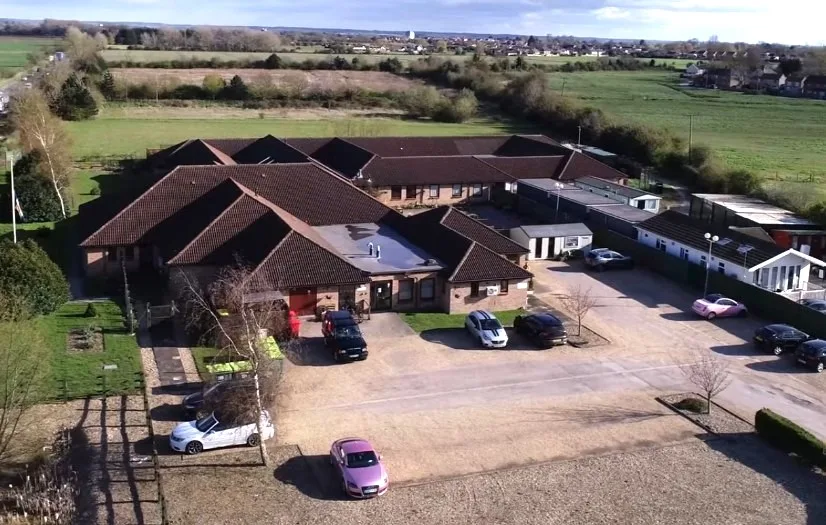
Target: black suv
[[342, 334], [779, 338], [812, 354], [544, 330], [212, 393]]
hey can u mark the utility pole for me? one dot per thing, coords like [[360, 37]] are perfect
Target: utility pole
[[11, 156], [579, 136], [690, 135]]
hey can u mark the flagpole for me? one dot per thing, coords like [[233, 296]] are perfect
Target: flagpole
[[10, 158]]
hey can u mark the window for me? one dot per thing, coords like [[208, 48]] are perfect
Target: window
[[474, 289], [129, 253], [703, 261], [684, 254], [434, 191], [395, 193], [457, 190], [406, 290], [427, 289], [410, 192], [476, 190], [572, 242], [651, 205], [721, 267], [661, 245], [503, 288], [112, 254]]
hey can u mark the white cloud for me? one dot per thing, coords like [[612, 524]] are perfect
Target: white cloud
[[611, 13]]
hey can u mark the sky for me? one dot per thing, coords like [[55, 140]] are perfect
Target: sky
[[795, 22]]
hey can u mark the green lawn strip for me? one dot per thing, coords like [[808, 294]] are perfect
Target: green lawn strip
[[201, 355], [80, 374], [421, 322]]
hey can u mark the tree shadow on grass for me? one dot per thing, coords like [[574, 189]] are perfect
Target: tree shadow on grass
[[797, 478]]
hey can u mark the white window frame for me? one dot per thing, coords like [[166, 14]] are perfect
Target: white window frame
[[475, 190], [454, 193], [571, 242], [662, 245], [433, 191]]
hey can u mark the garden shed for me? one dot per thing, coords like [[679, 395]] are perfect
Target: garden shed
[[548, 241]]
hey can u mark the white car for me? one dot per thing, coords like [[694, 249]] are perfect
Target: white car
[[486, 328], [208, 432]]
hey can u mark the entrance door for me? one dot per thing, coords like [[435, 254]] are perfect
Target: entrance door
[[537, 248], [303, 300], [381, 293]]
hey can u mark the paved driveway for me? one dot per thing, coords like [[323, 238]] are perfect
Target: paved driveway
[[436, 407], [649, 318]]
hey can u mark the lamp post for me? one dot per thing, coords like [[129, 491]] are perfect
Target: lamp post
[[711, 240], [558, 187], [11, 157]]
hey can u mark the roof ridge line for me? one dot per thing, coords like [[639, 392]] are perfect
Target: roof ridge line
[[464, 257], [208, 226], [494, 167], [485, 226]]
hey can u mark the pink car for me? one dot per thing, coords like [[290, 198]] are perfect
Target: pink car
[[360, 468], [715, 305]]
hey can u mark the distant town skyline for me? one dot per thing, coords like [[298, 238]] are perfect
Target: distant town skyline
[[732, 20]]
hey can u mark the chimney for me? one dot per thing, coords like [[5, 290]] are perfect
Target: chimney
[[370, 248], [806, 248], [378, 251]]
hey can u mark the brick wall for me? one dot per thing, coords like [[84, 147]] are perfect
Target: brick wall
[[416, 303], [422, 195], [459, 299], [97, 264]]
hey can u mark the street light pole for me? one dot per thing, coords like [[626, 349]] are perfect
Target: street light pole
[[558, 187], [10, 158], [579, 136], [711, 240]]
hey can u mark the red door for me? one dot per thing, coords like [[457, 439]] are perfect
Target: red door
[[303, 300]]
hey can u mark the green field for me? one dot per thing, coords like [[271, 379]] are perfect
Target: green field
[[778, 137], [118, 137], [14, 50]]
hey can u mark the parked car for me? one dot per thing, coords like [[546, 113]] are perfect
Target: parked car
[[815, 304], [347, 343], [812, 354], [212, 393], [779, 338], [486, 328], [360, 468], [545, 330], [716, 305], [332, 318], [601, 259], [209, 432]]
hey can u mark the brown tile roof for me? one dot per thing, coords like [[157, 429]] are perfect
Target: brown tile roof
[[230, 146], [269, 150], [431, 170], [428, 146], [195, 152], [247, 229], [190, 193], [343, 156], [528, 167], [297, 261], [476, 231], [530, 145], [580, 165], [308, 146], [481, 264]]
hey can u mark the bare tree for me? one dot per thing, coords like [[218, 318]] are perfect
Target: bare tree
[[579, 302], [709, 373], [40, 130], [239, 331], [23, 359]]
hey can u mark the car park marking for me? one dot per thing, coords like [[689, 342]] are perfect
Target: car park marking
[[491, 387]]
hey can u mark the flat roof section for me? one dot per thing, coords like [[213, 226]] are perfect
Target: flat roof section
[[556, 230], [546, 184], [627, 213], [352, 241], [619, 189], [756, 210], [587, 198]]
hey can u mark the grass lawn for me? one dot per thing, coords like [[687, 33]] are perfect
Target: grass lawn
[[14, 50], [775, 136], [81, 373], [421, 322], [109, 135], [199, 355]]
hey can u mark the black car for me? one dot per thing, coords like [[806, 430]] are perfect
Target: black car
[[815, 304], [544, 330], [343, 336], [212, 393], [779, 338], [812, 354]]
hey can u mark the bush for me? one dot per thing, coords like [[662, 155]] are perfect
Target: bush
[[75, 101], [27, 273], [423, 102], [91, 311], [692, 404], [35, 191], [789, 437]]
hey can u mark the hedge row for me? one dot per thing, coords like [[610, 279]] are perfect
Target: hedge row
[[790, 437]]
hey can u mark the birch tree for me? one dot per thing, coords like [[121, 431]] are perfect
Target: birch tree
[[238, 331], [40, 130]]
